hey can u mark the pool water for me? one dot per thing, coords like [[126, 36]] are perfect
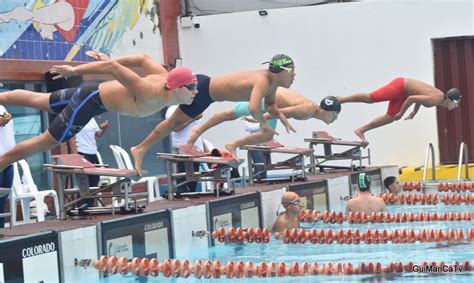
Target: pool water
[[322, 253]]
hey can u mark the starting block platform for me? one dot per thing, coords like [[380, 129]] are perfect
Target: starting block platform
[[74, 165]]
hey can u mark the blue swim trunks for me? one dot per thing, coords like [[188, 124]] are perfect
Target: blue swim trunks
[[75, 107], [241, 109]]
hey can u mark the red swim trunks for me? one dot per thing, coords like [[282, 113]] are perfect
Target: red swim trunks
[[393, 92]]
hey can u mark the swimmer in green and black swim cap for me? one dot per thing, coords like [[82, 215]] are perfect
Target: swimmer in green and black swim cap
[[281, 62], [365, 201]]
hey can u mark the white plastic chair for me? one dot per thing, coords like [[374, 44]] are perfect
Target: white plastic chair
[[26, 196], [29, 186], [124, 162], [19, 195], [105, 180]]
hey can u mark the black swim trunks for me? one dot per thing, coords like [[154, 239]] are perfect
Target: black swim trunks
[[75, 106], [201, 101]]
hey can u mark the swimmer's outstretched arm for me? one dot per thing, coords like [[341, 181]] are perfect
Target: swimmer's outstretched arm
[[144, 61], [413, 113], [299, 112], [275, 112], [255, 102], [149, 65], [135, 84], [427, 100]]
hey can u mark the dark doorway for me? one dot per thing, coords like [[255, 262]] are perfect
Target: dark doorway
[[454, 67]]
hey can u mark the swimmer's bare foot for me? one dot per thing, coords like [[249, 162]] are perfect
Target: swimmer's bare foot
[[138, 158], [232, 148], [193, 136], [361, 136]]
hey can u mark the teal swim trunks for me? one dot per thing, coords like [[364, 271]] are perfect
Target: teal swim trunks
[[241, 109]]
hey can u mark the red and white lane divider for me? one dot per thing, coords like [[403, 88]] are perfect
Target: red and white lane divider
[[238, 269], [347, 236], [458, 199], [453, 199], [409, 186], [442, 186], [456, 187], [381, 217]]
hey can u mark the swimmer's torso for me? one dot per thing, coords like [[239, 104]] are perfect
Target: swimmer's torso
[[289, 98], [415, 87], [117, 98], [237, 86], [366, 204]]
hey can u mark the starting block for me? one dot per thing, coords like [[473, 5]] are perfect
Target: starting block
[[191, 155], [74, 165], [354, 153], [297, 162]]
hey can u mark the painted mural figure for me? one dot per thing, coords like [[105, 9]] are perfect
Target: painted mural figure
[[63, 16], [66, 29]]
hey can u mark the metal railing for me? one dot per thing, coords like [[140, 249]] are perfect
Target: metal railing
[[463, 151], [429, 149]]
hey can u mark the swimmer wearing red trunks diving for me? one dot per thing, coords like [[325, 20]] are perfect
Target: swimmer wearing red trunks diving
[[401, 94]]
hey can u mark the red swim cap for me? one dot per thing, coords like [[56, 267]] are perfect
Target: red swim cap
[[180, 76]]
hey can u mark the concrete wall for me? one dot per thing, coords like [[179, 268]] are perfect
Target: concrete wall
[[338, 189], [185, 221], [270, 203], [78, 244]]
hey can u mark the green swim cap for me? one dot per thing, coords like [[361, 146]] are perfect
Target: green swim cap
[[277, 61], [364, 182]]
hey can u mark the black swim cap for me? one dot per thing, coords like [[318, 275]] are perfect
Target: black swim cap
[[454, 95], [277, 61], [364, 182], [330, 103]]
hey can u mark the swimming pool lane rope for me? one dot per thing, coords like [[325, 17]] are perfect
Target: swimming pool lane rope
[[346, 236], [381, 217], [442, 186], [427, 199], [238, 269]]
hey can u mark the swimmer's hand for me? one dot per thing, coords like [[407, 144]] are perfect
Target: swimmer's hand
[[409, 117], [287, 124], [97, 55], [398, 116], [62, 71], [249, 119]]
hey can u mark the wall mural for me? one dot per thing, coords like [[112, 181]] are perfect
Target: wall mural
[[65, 29]]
